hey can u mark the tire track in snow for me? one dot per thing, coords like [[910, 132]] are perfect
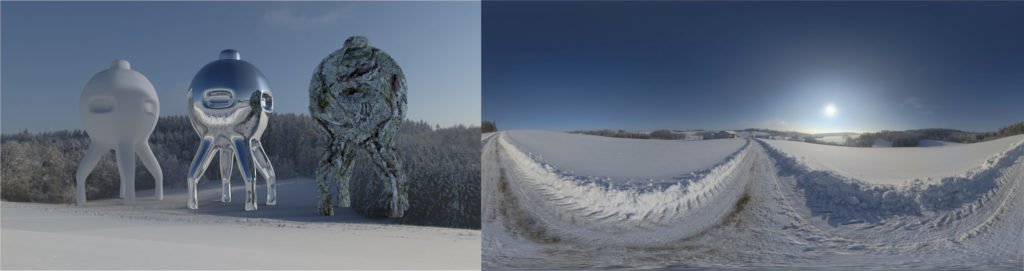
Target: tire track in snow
[[515, 220]]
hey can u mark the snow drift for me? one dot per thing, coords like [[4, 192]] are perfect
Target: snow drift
[[937, 192], [601, 209]]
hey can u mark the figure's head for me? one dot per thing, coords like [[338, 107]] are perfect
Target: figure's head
[[119, 103], [230, 93]]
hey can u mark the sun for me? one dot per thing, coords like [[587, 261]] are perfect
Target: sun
[[830, 110]]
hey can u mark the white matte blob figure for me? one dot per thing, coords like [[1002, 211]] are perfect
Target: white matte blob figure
[[119, 108]]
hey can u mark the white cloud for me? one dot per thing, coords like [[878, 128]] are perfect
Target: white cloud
[[287, 17], [918, 104]]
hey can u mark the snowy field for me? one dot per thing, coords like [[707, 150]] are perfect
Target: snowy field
[[152, 234], [755, 204], [897, 165], [619, 159]]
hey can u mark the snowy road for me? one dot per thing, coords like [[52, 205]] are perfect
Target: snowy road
[[166, 235], [767, 210]]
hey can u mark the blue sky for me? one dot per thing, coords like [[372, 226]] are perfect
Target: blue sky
[[777, 65], [50, 50]]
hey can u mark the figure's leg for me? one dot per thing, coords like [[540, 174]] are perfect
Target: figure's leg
[[126, 168], [333, 167], [347, 159], [89, 161], [227, 158], [389, 167], [202, 160], [243, 154], [145, 154], [323, 176], [266, 169], [120, 194]]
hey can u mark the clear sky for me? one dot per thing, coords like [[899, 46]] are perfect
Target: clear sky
[[51, 49], [777, 65]]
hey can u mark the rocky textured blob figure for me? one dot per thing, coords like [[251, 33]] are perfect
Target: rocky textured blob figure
[[228, 103], [358, 98], [119, 109]]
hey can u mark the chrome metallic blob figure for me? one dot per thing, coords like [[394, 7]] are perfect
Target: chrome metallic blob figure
[[228, 103], [358, 98]]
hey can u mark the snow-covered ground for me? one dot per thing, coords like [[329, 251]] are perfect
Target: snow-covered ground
[[105, 234], [603, 211], [621, 159], [484, 137], [897, 165], [762, 206]]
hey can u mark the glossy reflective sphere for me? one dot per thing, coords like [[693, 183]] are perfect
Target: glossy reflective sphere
[[230, 94]]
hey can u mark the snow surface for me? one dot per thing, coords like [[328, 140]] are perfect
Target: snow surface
[[105, 234], [621, 159], [636, 212], [760, 208], [484, 137], [897, 165]]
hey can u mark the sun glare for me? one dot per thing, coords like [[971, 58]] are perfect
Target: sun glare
[[830, 110]]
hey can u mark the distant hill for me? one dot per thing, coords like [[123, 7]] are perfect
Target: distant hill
[[837, 134], [906, 138]]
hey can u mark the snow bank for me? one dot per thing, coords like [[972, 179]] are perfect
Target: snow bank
[[599, 211], [946, 189], [484, 137], [619, 159], [898, 165]]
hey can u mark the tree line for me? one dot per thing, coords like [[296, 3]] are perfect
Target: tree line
[[443, 166], [911, 138]]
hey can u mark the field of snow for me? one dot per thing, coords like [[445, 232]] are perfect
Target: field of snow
[[620, 159], [770, 204], [898, 165], [105, 234], [601, 211]]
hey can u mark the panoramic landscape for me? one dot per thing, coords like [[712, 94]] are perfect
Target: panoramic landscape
[[805, 138], [748, 202]]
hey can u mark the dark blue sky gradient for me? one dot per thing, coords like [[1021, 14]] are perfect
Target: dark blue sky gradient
[[650, 65]]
